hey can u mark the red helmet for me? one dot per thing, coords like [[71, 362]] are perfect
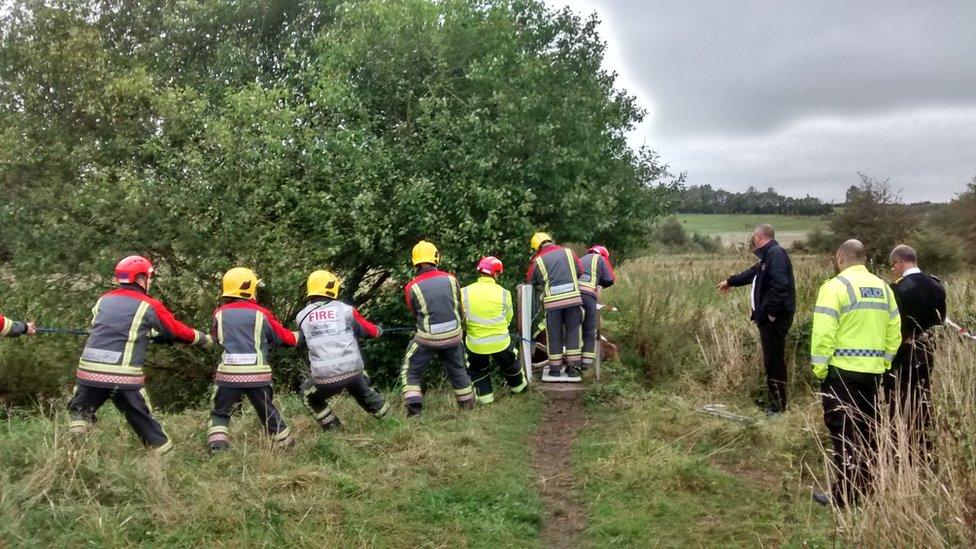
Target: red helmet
[[131, 267], [490, 266], [598, 249]]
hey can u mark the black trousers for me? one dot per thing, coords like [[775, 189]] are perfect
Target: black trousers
[[226, 399], [359, 387], [412, 373], [134, 405], [851, 415], [772, 336], [908, 389], [479, 368]]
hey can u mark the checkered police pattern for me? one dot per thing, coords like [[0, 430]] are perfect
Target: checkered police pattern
[[860, 353]]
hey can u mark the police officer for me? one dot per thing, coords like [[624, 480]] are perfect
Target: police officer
[[856, 332], [433, 297], [12, 328], [555, 271], [597, 273], [921, 299], [488, 311]]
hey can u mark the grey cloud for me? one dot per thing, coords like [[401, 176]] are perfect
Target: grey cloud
[[802, 95], [748, 66]]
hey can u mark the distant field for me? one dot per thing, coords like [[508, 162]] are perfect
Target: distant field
[[737, 228]]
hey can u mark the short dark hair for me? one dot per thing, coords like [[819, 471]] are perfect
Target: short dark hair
[[766, 230], [904, 253], [854, 251]]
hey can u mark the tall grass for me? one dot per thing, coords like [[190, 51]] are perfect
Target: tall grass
[[450, 479], [700, 345], [928, 501]]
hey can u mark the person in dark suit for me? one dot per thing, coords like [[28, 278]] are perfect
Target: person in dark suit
[[921, 301], [773, 303]]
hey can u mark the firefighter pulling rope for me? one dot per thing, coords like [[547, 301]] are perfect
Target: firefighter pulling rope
[[451, 322]]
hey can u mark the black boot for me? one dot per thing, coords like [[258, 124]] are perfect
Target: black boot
[[218, 446], [331, 424], [414, 409]]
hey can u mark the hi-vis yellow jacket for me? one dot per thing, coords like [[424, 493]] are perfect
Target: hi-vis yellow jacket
[[487, 313], [856, 325]]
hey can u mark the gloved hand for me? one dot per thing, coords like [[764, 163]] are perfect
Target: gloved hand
[[820, 371], [207, 342]]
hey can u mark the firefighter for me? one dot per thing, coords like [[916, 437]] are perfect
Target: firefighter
[[111, 364], [329, 329], [246, 331], [12, 328], [433, 297], [856, 332], [597, 273], [488, 312], [555, 271], [921, 300]]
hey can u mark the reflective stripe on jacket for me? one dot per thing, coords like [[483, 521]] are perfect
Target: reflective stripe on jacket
[[116, 348], [329, 329], [556, 271], [433, 297], [856, 324], [487, 314], [597, 272], [10, 328], [247, 331]]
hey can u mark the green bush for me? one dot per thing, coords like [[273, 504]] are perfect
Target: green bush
[[670, 236], [293, 136]]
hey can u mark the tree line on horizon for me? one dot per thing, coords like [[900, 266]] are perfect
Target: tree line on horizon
[[704, 199]]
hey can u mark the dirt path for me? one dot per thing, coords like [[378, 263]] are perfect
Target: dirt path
[[565, 516]]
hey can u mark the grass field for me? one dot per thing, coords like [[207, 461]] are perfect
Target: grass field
[[448, 480], [647, 468], [733, 228]]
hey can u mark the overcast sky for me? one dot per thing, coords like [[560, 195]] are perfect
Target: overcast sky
[[801, 96]]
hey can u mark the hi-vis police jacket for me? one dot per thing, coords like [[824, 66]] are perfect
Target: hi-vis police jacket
[[121, 325], [329, 329], [856, 325], [246, 331], [10, 328], [487, 314], [597, 271], [556, 270], [433, 297]]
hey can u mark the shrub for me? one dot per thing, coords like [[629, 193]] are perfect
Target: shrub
[[335, 137], [874, 215]]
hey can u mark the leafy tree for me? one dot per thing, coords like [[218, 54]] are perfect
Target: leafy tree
[[874, 215], [706, 200], [290, 135], [962, 220]]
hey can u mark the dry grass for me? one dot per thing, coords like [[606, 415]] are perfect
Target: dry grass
[[700, 348], [450, 479]]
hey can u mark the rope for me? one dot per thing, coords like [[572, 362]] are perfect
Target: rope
[[61, 331], [397, 329]]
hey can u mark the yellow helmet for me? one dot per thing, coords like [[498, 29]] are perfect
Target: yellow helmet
[[241, 282], [425, 252], [323, 283], [538, 239]]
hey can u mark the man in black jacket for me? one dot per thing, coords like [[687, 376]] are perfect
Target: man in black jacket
[[922, 302], [773, 302]]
